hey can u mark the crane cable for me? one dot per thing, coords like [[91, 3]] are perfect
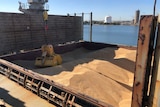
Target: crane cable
[[45, 18], [154, 9]]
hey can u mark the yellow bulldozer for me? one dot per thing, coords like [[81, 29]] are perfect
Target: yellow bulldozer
[[49, 57]]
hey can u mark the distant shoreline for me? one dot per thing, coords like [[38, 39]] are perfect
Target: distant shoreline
[[113, 24]]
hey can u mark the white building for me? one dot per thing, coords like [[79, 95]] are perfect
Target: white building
[[108, 19]]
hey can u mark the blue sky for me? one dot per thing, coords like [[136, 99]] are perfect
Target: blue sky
[[118, 9]]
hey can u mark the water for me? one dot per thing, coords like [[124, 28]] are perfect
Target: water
[[113, 34]]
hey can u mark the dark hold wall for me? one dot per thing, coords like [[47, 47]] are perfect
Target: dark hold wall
[[25, 32]]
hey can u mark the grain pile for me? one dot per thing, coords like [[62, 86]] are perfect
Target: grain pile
[[106, 75]]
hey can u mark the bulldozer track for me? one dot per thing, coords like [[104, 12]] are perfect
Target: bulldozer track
[[47, 89]]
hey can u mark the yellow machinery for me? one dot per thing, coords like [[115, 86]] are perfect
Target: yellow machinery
[[48, 58]]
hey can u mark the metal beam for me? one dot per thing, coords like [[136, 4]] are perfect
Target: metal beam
[[91, 27], [143, 61]]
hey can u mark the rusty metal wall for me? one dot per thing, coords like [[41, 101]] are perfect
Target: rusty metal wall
[[24, 32]]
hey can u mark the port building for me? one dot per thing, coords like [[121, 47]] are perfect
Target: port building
[[108, 19]]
